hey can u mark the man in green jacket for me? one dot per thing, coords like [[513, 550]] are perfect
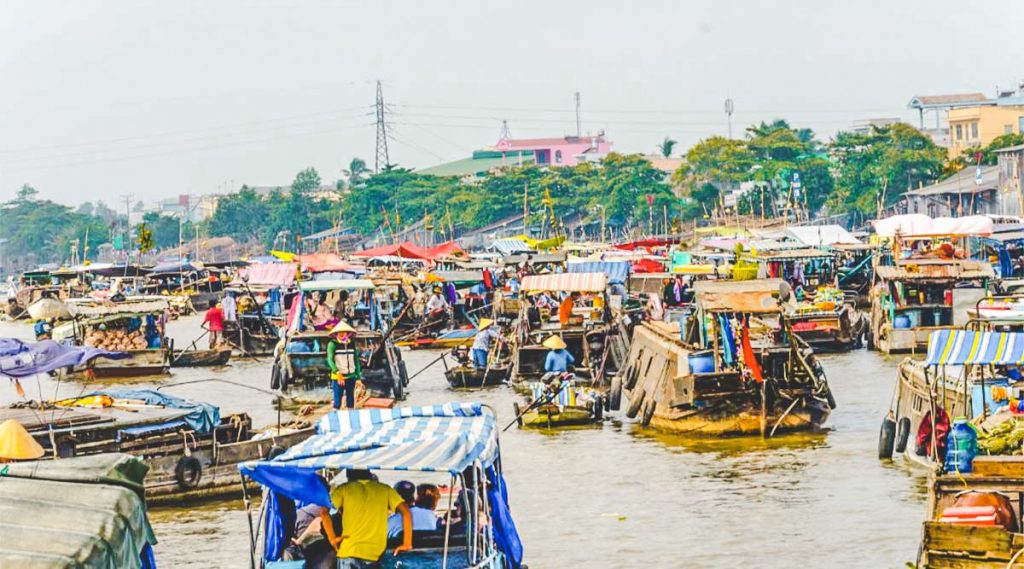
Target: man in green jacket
[[346, 369]]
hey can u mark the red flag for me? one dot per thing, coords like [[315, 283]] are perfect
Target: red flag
[[748, 353]]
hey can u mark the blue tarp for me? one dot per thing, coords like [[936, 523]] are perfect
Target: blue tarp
[[18, 359], [617, 271], [202, 418]]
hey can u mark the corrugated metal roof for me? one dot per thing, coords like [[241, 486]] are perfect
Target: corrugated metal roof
[[962, 183]]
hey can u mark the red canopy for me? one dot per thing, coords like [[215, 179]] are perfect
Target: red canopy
[[409, 250], [648, 266], [646, 243]]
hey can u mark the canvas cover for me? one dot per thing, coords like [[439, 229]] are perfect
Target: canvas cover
[[919, 225]]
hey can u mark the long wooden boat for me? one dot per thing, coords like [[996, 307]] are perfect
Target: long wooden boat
[[184, 463], [685, 384], [201, 358], [469, 376]]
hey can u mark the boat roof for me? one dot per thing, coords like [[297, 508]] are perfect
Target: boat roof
[[935, 270], [436, 438], [336, 284], [965, 347], [793, 254], [93, 308], [754, 296], [568, 282], [916, 225], [93, 503]]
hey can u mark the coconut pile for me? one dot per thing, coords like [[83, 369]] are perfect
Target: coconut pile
[[116, 340]]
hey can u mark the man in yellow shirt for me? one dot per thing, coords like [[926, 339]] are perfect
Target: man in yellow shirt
[[365, 505]]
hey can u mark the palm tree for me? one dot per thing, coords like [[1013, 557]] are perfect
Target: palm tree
[[666, 147], [356, 172]]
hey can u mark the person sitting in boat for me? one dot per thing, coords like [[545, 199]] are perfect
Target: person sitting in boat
[[558, 359], [16, 444], [43, 329], [565, 308], [344, 361], [421, 505], [482, 342], [365, 505], [320, 317], [437, 305]]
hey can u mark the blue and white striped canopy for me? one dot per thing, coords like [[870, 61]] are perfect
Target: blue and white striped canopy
[[962, 347], [617, 271], [439, 438]]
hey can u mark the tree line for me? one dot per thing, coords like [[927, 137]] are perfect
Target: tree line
[[862, 172]]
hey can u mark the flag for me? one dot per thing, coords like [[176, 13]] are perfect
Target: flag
[[748, 353]]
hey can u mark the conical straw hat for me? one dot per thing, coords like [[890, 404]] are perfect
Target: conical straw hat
[[16, 443], [341, 328], [554, 343], [485, 323]]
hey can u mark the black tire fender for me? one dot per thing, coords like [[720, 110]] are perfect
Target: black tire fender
[[635, 402], [902, 434], [275, 376], [188, 472], [67, 447], [403, 372], [886, 438], [397, 387], [648, 413], [615, 394], [597, 409]]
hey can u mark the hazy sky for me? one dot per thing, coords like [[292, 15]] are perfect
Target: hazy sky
[[102, 98]]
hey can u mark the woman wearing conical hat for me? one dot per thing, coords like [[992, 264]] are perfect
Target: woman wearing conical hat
[[17, 444], [559, 359], [346, 369], [486, 332]]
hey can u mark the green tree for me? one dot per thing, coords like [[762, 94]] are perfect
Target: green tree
[[306, 181], [355, 174], [27, 193], [666, 147], [242, 216]]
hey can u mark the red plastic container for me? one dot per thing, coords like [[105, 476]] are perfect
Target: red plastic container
[[969, 516]]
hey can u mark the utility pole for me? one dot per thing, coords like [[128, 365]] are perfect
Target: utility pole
[[382, 159], [579, 130], [127, 223], [728, 115]]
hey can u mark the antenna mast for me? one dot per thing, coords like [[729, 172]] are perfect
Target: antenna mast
[[579, 130]]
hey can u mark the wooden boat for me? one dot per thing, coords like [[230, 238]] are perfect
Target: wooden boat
[[251, 335], [684, 383], [915, 291], [829, 326], [997, 486], [133, 327], [185, 462], [572, 404], [469, 376], [200, 358], [445, 341]]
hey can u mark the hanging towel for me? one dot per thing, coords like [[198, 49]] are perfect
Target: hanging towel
[[728, 341], [749, 359]]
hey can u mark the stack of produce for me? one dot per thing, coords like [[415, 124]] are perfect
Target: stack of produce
[[116, 340], [1005, 437]]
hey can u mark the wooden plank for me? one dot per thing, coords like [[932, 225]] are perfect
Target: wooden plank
[[972, 541], [941, 561], [1010, 466]]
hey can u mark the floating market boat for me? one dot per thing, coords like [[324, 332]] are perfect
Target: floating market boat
[[965, 374], [81, 512], [595, 336], [736, 368], [300, 367], [560, 401], [132, 327], [191, 450], [465, 376], [456, 441], [925, 281], [828, 322]]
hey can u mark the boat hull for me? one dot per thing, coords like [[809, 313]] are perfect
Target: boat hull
[[201, 358], [469, 376]]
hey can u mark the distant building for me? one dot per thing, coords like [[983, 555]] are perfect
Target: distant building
[[977, 126], [939, 105], [1011, 174], [964, 193], [509, 152], [866, 126], [479, 164]]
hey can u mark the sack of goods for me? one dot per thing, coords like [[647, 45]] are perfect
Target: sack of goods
[[116, 340]]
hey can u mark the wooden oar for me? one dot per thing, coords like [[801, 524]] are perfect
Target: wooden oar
[[190, 347]]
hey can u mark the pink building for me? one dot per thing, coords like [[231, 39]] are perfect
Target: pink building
[[565, 151]]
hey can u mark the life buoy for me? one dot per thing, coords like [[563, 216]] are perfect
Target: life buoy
[[902, 434], [188, 472], [886, 438]]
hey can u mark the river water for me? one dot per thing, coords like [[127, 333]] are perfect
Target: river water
[[617, 495]]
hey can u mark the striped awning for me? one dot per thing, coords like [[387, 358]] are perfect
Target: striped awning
[[961, 347], [437, 438], [568, 282], [617, 271]]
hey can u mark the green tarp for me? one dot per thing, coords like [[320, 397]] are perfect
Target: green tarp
[[74, 513]]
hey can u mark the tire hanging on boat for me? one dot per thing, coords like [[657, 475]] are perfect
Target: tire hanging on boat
[[397, 387], [648, 413], [188, 472], [902, 434], [403, 373], [597, 408], [615, 394], [635, 402], [886, 438]]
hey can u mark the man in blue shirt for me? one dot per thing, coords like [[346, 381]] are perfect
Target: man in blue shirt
[[558, 359]]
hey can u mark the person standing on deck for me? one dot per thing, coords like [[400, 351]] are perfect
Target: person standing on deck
[[214, 323], [558, 359], [437, 305], [565, 308], [482, 342], [230, 307], [365, 505], [344, 361]]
